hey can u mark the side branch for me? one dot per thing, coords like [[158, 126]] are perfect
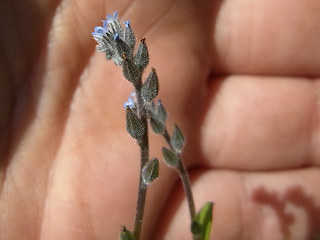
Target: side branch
[[184, 178]]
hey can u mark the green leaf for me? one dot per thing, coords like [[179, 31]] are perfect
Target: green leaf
[[150, 171], [141, 59], [162, 113], [150, 88], [129, 37], [157, 126], [158, 117], [134, 125], [170, 157], [126, 234], [130, 71], [177, 139], [204, 218]]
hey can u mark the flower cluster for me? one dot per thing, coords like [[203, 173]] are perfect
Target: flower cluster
[[113, 39], [118, 42]]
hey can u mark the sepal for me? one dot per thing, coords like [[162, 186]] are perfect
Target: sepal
[[150, 171], [158, 112], [177, 139], [134, 126], [150, 88], [130, 71], [121, 46], [141, 58], [170, 157], [161, 112], [129, 36], [157, 126]]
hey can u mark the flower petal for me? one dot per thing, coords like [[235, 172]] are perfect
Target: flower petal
[[100, 30], [105, 25], [127, 23]]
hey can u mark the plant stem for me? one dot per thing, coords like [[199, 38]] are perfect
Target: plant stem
[[184, 179], [187, 188], [144, 157]]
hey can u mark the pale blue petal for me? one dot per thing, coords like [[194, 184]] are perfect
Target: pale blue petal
[[100, 30], [127, 23], [129, 104], [116, 36], [105, 25]]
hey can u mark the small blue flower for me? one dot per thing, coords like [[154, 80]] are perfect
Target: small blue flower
[[127, 23], [111, 18], [101, 31], [129, 104], [131, 100], [112, 22], [116, 36]]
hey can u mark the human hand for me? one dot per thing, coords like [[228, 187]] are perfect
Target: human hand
[[239, 77]]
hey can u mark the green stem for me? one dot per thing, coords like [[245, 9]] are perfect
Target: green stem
[[184, 179], [144, 157]]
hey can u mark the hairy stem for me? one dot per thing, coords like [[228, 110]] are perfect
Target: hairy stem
[[184, 179], [187, 188], [144, 157]]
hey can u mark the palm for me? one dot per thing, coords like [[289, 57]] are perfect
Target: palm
[[70, 170]]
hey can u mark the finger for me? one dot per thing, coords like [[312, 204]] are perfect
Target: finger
[[261, 123], [266, 37], [24, 25], [273, 205]]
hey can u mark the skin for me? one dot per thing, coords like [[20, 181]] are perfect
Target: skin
[[239, 77]]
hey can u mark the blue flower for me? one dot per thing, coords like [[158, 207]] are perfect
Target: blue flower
[[101, 31], [111, 18], [129, 104], [127, 23], [131, 100], [111, 24], [116, 36], [114, 24]]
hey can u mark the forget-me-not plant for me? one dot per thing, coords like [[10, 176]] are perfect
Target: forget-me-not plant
[[118, 42]]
